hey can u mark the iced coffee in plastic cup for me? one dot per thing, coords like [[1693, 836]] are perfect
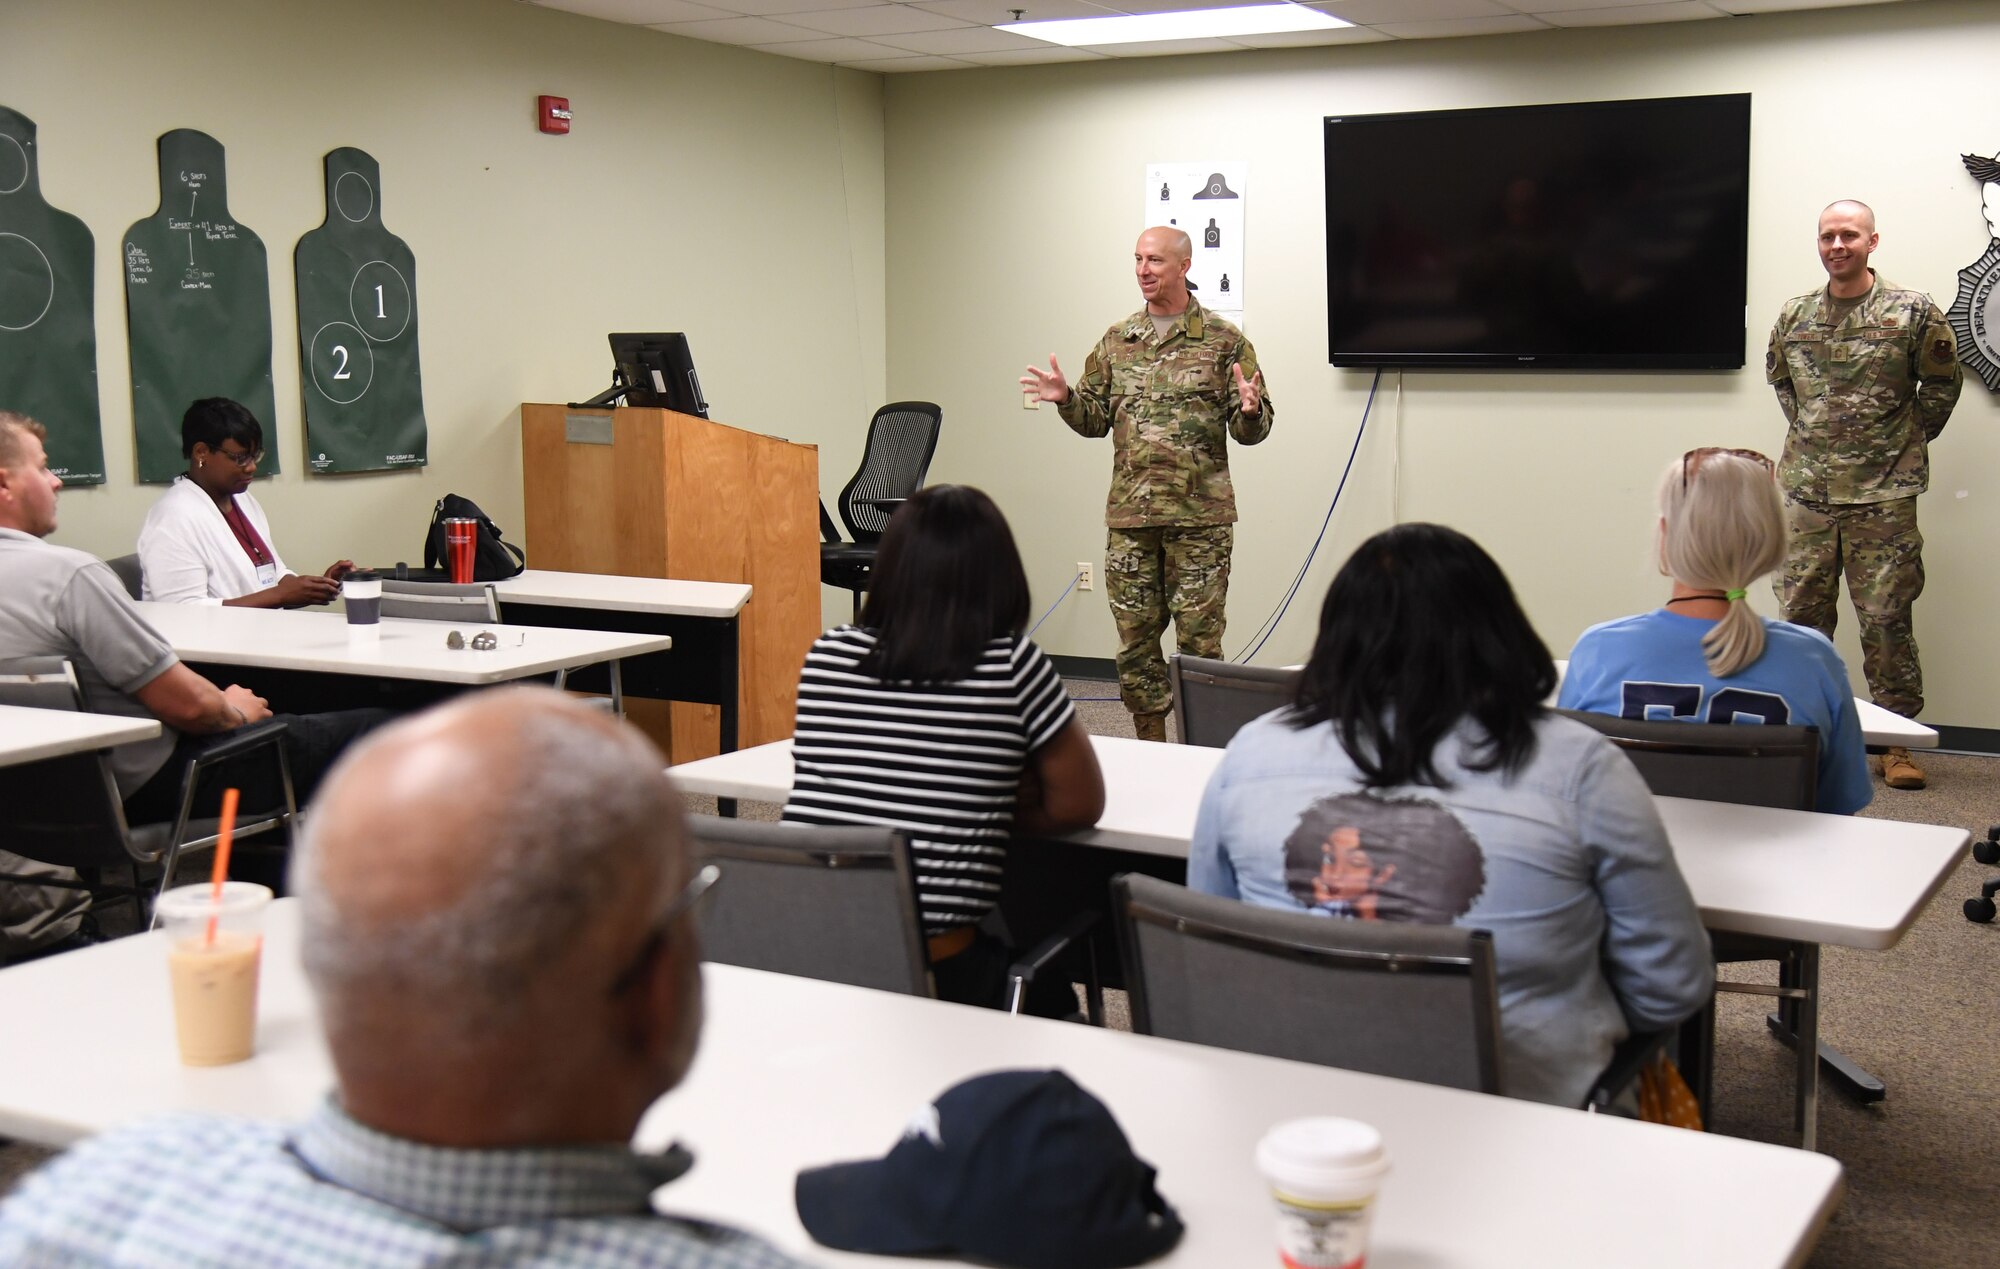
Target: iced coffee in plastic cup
[[214, 948], [1323, 1175]]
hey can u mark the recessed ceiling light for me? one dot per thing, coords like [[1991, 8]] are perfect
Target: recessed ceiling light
[[1194, 24]]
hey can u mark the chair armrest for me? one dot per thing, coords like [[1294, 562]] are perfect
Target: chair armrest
[[1632, 1055], [827, 531], [1038, 958], [232, 744]]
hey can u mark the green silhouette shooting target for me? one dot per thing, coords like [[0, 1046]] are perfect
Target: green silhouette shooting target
[[48, 335]]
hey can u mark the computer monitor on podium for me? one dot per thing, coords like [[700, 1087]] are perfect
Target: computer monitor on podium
[[658, 371]]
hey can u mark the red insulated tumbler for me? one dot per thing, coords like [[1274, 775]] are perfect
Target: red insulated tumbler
[[459, 535]]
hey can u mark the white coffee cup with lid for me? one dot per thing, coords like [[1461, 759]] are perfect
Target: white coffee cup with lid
[[1324, 1174]]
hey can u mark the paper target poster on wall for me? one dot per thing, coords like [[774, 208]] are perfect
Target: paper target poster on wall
[[358, 368], [1205, 200], [198, 306], [48, 332]]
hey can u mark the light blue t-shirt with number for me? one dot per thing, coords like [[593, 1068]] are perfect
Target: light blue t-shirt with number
[[1651, 667]]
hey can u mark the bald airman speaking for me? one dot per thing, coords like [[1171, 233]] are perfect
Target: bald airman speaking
[[1171, 384]]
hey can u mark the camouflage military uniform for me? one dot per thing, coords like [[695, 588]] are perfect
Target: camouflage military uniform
[[1865, 393], [1170, 405]]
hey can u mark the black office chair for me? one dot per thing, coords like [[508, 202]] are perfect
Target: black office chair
[[67, 810], [1418, 1002], [1748, 765], [836, 904], [1986, 851], [902, 437], [1213, 699]]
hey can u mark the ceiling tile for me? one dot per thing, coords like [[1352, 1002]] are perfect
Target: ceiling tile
[[640, 12], [739, 31], [1165, 48], [1461, 26], [1635, 14], [994, 12], [1540, 7], [1045, 55], [1789, 6], [876, 19], [1178, 6], [834, 50], [965, 39], [778, 8], [1376, 12], [903, 65], [1311, 39]]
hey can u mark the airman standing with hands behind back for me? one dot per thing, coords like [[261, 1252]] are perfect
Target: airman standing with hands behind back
[[1867, 374], [1172, 385]]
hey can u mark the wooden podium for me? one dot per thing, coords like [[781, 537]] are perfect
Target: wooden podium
[[653, 493]]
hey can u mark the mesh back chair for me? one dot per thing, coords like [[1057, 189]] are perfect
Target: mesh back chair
[[901, 439], [1749, 765], [837, 904], [1213, 699], [1414, 1001], [67, 810], [1418, 1002], [129, 572], [440, 601]]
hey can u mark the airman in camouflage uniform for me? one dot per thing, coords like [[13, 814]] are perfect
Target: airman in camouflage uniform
[[1171, 385], [1866, 373]]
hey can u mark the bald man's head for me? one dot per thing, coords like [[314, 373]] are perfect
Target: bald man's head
[[1847, 238], [1852, 207], [1160, 260], [461, 869]]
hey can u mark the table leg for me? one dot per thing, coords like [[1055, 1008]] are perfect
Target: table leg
[[1849, 1076], [729, 674]]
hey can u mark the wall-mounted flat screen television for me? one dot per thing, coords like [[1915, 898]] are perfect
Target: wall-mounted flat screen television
[[1608, 235]]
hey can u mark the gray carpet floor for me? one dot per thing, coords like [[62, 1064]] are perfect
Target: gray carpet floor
[[1923, 1166]]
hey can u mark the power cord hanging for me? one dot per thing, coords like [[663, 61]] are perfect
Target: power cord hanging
[[1270, 626]]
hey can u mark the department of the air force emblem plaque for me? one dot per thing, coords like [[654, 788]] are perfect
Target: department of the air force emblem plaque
[[1975, 314]]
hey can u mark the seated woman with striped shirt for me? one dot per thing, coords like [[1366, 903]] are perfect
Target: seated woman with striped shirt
[[936, 715]]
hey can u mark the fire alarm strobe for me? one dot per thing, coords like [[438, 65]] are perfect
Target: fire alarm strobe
[[553, 114]]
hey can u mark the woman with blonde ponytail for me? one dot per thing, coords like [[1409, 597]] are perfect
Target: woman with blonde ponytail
[[1705, 656]]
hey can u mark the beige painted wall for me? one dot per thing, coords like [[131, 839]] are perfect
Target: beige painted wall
[[734, 195], [1013, 199]]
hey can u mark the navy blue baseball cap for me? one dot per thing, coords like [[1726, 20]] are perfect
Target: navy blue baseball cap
[[1019, 1168]]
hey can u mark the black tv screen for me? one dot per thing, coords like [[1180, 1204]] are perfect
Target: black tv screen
[[658, 370], [1604, 235]]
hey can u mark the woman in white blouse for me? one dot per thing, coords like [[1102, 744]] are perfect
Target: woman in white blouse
[[206, 540]]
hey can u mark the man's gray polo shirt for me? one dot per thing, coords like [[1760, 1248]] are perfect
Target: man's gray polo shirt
[[55, 601]]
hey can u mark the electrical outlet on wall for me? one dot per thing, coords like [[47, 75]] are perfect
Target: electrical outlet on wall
[[1086, 575]]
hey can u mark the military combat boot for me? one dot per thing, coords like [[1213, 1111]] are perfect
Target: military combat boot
[[1900, 771], [1150, 726]]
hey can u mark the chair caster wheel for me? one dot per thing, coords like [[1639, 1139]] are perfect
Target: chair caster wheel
[[1986, 852], [1980, 910]]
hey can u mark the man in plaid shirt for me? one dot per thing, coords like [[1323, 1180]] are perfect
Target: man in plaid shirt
[[494, 900]]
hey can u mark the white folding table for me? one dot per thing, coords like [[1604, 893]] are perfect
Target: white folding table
[[794, 1073], [702, 618], [1800, 876], [30, 735], [323, 643]]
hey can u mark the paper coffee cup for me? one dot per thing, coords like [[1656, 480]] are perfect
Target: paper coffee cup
[[361, 596], [214, 976], [1323, 1174]]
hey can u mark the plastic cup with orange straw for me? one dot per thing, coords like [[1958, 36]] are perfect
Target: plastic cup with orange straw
[[215, 946]]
